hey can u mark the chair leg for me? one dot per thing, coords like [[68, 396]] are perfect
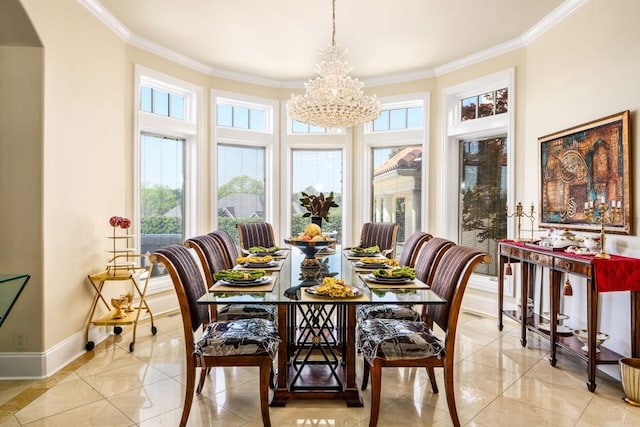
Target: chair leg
[[448, 387], [365, 373], [272, 377], [376, 384], [188, 393], [203, 376], [432, 379], [265, 371]]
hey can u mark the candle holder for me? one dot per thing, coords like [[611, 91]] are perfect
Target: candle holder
[[518, 214], [601, 214]]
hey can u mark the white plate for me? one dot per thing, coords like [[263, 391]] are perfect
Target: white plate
[[314, 291], [389, 280], [261, 264], [561, 329], [547, 315], [241, 282], [364, 254], [372, 266]]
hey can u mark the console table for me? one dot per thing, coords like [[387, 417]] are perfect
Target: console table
[[557, 263]]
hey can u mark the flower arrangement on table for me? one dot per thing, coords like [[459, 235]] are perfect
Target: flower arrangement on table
[[317, 205]]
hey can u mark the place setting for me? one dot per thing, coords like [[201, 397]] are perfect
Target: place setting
[[253, 262], [332, 289], [261, 251], [240, 281], [396, 277], [357, 252], [367, 264]]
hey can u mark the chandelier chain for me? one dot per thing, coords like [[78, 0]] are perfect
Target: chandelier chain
[[333, 19], [333, 99]]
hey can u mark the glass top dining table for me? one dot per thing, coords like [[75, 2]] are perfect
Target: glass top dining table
[[316, 356]]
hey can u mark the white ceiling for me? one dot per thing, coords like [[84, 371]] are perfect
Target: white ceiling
[[279, 40]]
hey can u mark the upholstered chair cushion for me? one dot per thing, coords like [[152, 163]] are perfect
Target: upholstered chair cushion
[[386, 311], [244, 311], [239, 337], [397, 339]]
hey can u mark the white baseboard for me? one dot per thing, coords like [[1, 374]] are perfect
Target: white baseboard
[[34, 365]]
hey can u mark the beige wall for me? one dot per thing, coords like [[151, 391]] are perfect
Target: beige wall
[[76, 166], [584, 69], [21, 176], [84, 172]]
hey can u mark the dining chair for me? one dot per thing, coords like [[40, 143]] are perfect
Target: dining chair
[[230, 248], [246, 342], [381, 234], [213, 257], [411, 248], [401, 343], [255, 234], [429, 254]]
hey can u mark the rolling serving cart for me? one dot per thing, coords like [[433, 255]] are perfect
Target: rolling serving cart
[[122, 267]]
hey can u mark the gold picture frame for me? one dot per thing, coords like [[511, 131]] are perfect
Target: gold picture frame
[[583, 164]]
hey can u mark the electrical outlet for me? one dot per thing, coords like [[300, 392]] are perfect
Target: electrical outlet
[[19, 340]]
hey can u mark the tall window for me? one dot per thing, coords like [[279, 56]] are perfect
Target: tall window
[[162, 189], [167, 126], [244, 168], [483, 195], [315, 171], [397, 187], [394, 144], [477, 167], [241, 186]]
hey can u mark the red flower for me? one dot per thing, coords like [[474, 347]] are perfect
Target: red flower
[[125, 223], [115, 221]]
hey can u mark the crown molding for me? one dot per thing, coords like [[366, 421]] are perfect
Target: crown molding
[[549, 21], [107, 18], [546, 23]]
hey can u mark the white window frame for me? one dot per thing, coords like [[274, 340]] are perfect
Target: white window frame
[[368, 140], [190, 129], [249, 138], [454, 130], [334, 139]]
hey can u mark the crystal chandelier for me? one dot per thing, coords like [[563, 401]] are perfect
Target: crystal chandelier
[[333, 99]]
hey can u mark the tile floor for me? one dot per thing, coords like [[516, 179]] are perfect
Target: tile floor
[[498, 383]]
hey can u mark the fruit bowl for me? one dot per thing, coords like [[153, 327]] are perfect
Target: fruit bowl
[[309, 247], [582, 335]]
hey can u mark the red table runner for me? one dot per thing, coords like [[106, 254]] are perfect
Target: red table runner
[[617, 273]]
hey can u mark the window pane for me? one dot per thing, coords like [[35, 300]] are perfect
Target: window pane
[[177, 106], [485, 109], [483, 187], [160, 103], [397, 188], [299, 127], [225, 115], [382, 122], [240, 117], [414, 118], [502, 101], [468, 111], [317, 129], [258, 120], [161, 193], [145, 99], [241, 183], [316, 171], [398, 119]]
